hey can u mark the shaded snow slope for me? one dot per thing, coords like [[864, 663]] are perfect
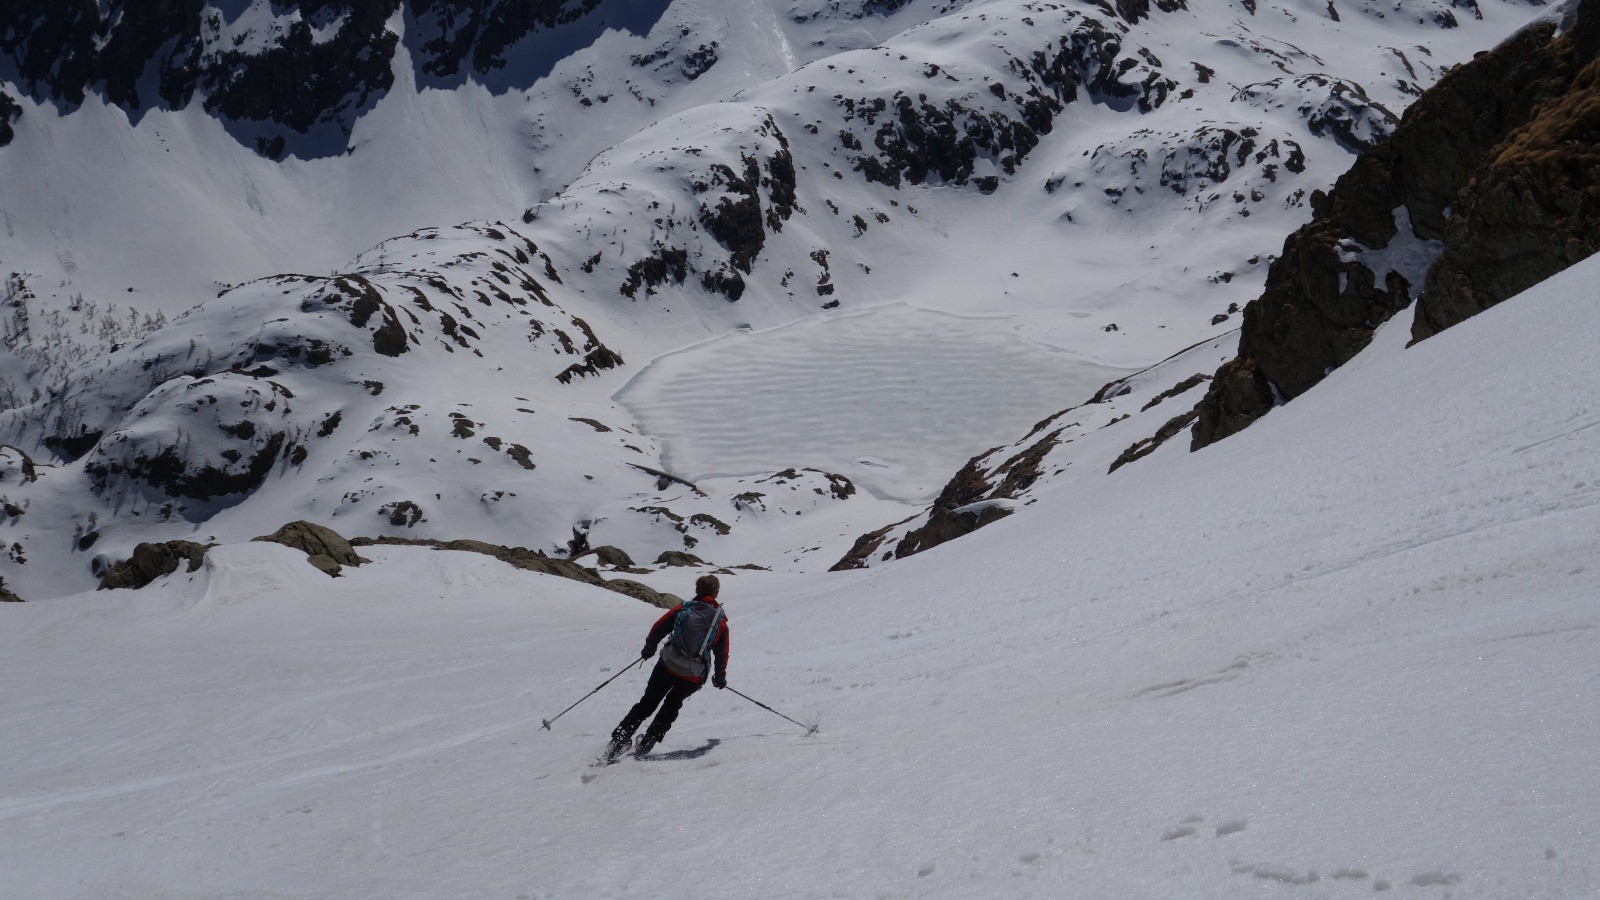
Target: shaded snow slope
[[101, 197], [1352, 650]]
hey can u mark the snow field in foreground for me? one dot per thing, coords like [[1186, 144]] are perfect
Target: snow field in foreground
[[896, 398], [1353, 650]]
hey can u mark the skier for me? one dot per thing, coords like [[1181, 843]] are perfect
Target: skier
[[699, 630]]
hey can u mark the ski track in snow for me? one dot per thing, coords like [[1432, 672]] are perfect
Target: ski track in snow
[[1352, 651]]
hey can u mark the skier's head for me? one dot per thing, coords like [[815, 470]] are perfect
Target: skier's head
[[707, 586]]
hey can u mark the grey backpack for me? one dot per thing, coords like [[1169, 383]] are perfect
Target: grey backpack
[[694, 630]]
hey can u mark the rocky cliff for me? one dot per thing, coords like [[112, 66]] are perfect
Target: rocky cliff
[[1483, 188], [1533, 206], [291, 72], [1486, 188]]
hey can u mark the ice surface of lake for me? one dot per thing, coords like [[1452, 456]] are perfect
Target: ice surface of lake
[[897, 398]]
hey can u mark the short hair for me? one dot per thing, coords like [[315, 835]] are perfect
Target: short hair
[[707, 586]]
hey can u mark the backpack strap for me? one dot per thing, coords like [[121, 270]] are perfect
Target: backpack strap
[[711, 633], [676, 638]]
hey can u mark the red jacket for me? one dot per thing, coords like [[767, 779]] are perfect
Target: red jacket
[[719, 644]]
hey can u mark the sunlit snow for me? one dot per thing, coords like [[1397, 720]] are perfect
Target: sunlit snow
[[1353, 650]]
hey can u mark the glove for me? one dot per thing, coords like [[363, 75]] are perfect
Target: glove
[[719, 682], [647, 652]]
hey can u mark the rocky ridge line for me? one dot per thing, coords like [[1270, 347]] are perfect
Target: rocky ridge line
[[1490, 180]]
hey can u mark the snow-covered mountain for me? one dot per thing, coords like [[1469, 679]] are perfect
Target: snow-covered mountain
[[1350, 652], [167, 151], [1483, 189], [1062, 188], [741, 322]]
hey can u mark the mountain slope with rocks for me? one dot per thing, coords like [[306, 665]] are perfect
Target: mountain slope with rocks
[[1096, 186], [1349, 653], [1492, 173], [1485, 189]]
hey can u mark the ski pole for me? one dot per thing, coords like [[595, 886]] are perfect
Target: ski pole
[[590, 694], [810, 729]]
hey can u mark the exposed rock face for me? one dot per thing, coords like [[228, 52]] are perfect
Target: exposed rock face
[[534, 561], [643, 592], [402, 513], [947, 525], [737, 203], [861, 552], [1192, 164], [679, 558], [485, 31], [1329, 107], [1491, 172], [613, 556], [906, 139], [305, 67], [201, 421], [1180, 388], [1149, 445], [244, 423], [323, 546], [151, 561], [10, 112], [16, 467], [1534, 208], [6, 596], [959, 510]]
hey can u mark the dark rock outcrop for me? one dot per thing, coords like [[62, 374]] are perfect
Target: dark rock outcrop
[[5, 594], [16, 467], [667, 264], [955, 512], [643, 592], [10, 112], [613, 556], [310, 66], [302, 81], [1534, 208], [743, 199], [679, 558], [323, 547], [1495, 163], [534, 561], [245, 423], [151, 561], [919, 141], [1144, 448], [867, 546], [948, 524], [478, 35], [1179, 388], [402, 513]]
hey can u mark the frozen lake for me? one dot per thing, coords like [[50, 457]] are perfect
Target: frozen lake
[[897, 398]]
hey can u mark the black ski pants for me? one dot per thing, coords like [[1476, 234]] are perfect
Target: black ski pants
[[665, 690]]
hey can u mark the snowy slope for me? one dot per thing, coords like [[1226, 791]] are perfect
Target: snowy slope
[[1081, 192], [1352, 650]]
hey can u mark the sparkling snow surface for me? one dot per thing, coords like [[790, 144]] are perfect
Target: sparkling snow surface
[[1354, 650], [896, 399]]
